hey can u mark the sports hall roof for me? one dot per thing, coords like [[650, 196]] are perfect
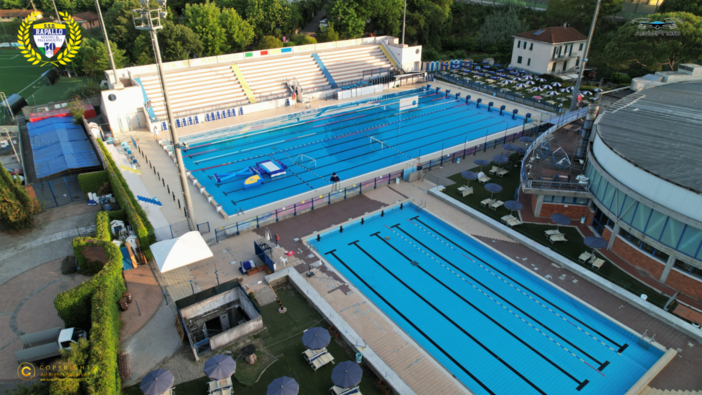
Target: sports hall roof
[[660, 130], [59, 145]]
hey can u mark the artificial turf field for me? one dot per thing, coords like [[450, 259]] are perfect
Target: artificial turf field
[[19, 76]]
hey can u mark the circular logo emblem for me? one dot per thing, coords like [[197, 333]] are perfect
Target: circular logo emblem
[[26, 371]]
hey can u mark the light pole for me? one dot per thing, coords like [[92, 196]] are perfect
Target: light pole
[[404, 17], [576, 91], [150, 19], [117, 84]]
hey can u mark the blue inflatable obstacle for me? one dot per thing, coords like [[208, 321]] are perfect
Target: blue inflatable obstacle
[[254, 174]]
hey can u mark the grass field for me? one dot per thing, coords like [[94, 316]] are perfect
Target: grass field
[[19, 76]]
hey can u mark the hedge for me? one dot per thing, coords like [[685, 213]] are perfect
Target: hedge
[[93, 306], [102, 227], [137, 217], [17, 208], [92, 182]]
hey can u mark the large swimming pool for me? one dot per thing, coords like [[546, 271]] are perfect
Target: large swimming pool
[[494, 326], [351, 140]]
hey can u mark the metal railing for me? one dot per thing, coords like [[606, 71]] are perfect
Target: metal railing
[[498, 93], [557, 185], [370, 73], [202, 110]]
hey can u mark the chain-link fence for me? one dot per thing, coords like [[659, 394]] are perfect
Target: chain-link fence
[[59, 192]]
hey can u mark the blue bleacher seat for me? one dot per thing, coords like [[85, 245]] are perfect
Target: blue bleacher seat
[[190, 121], [229, 112], [241, 110], [197, 120], [164, 125], [177, 123], [207, 117], [212, 116]]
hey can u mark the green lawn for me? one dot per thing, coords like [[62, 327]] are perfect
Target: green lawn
[[283, 339], [19, 76], [570, 249]]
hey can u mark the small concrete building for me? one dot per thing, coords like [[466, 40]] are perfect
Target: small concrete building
[[219, 316], [552, 50]]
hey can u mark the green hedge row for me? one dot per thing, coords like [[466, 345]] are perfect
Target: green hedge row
[[93, 306], [102, 227], [127, 202], [93, 182], [17, 208]]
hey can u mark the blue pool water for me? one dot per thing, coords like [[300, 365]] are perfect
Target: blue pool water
[[497, 328], [336, 139]]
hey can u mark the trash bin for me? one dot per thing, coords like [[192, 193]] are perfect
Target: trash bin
[[397, 180], [123, 304], [458, 160], [359, 357]]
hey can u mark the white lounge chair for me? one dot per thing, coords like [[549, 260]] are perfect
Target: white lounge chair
[[320, 361], [311, 354], [552, 232], [484, 179], [496, 204], [494, 170], [507, 218], [487, 202], [598, 263], [502, 172], [465, 190], [514, 222], [585, 256], [556, 238], [336, 390]]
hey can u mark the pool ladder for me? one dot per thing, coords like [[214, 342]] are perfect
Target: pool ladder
[[419, 204], [645, 340]]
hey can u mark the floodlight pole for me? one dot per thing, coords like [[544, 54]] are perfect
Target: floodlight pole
[[404, 18], [117, 84], [55, 10], [145, 12], [576, 91]]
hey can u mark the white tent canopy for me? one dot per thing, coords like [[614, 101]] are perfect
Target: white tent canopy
[[182, 251]]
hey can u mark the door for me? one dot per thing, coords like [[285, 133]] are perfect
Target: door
[[224, 319], [565, 65]]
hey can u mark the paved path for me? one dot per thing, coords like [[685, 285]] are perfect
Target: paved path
[[312, 27]]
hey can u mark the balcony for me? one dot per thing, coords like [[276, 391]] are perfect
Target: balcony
[[564, 57]]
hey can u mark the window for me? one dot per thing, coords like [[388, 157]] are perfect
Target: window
[[525, 44], [662, 256], [529, 62], [577, 62], [686, 267], [555, 51], [581, 47], [519, 59], [531, 46], [566, 200], [600, 220], [519, 44]]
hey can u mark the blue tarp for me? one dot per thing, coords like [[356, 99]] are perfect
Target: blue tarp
[[58, 145]]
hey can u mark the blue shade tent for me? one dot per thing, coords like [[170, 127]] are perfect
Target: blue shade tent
[[220, 367], [493, 188], [59, 145], [283, 386], [347, 374], [157, 382], [500, 159], [560, 219], [316, 338]]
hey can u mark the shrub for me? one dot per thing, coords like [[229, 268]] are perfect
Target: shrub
[[87, 267], [268, 42], [17, 208], [620, 78], [102, 226], [93, 306], [83, 90], [77, 111], [96, 182], [74, 358]]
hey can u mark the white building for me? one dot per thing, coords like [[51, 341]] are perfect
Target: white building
[[553, 50]]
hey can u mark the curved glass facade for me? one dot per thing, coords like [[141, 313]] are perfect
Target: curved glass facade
[[655, 225]]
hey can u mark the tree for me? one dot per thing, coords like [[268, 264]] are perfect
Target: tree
[[178, 42], [499, 28], [17, 209], [349, 18], [266, 15], [238, 5], [120, 26], [204, 19], [92, 59], [327, 34], [239, 33], [428, 21], [83, 90], [385, 15], [654, 52], [579, 13], [302, 39], [691, 6], [268, 42], [71, 361]]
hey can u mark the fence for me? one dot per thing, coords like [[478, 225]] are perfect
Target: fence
[[358, 189], [379, 71], [499, 93], [178, 229], [59, 192]]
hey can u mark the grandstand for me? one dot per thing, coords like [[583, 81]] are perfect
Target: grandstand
[[348, 65], [267, 77]]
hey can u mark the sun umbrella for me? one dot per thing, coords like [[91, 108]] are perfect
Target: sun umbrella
[[469, 175], [493, 188], [598, 90], [521, 86], [500, 159], [526, 139], [316, 338], [219, 367], [595, 242], [481, 163], [520, 150], [546, 87], [563, 90], [528, 77], [157, 382], [537, 89], [508, 147], [552, 93], [560, 219], [507, 82], [586, 93], [513, 205], [537, 97], [556, 84], [530, 83], [347, 374], [283, 386], [540, 80]]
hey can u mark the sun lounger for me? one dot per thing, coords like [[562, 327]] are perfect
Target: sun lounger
[[496, 204], [320, 361], [514, 222], [598, 263], [552, 232], [484, 179], [507, 218], [494, 170], [465, 190], [310, 354], [585, 256], [502, 172], [487, 202], [556, 238], [336, 390]]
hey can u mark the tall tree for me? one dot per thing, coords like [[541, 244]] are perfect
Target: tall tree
[[178, 42], [268, 42], [238, 5], [691, 6], [579, 13], [631, 44], [349, 18], [428, 21], [267, 15], [92, 58], [204, 19], [120, 26], [327, 34], [239, 33], [499, 28]]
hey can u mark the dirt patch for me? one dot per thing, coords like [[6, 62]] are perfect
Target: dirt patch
[[95, 253]]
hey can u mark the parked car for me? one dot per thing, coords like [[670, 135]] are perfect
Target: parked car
[[44, 345]]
